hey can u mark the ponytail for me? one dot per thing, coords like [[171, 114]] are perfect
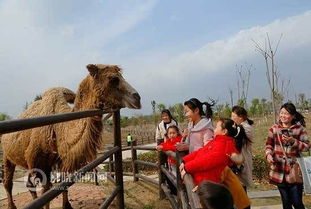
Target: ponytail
[[235, 131], [241, 112], [194, 103]]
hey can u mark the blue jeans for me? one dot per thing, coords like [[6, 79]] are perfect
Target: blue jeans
[[291, 195]]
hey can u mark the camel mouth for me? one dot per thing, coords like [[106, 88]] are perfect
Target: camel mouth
[[133, 101]]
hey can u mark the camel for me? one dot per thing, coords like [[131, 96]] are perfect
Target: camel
[[70, 144]]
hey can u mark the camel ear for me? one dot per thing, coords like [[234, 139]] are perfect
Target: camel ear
[[93, 69]]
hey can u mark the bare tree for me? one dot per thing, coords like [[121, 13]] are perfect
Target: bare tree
[[231, 96], [243, 77], [271, 72]]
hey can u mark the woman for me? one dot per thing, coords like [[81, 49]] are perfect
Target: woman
[[282, 151], [239, 116], [167, 120], [200, 127]]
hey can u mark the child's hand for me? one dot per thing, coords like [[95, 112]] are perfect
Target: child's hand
[[159, 147], [182, 174], [182, 146], [195, 188], [181, 166]]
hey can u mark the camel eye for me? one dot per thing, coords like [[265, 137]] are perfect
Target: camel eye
[[114, 81]]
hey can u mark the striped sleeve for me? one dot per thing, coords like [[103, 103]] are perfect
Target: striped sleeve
[[270, 143], [303, 143]]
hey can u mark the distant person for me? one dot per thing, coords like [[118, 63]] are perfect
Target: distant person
[[244, 145], [129, 139], [214, 196], [200, 127], [167, 120], [285, 142]]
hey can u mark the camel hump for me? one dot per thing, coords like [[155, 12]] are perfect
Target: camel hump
[[60, 92]]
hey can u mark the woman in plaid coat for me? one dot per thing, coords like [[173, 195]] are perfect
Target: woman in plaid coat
[[285, 142]]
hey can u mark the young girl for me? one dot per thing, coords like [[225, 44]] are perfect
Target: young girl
[[281, 153], [209, 162], [167, 120], [200, 127], [173, 137]]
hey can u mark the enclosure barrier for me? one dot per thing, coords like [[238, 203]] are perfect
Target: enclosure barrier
[[22, 124], [186, 198]]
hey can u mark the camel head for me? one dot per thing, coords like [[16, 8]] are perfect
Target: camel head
[[111, 89]]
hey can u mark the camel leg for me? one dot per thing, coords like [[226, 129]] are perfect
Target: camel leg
[[66, 203], [47, 185], [31, 187], [9, 169]]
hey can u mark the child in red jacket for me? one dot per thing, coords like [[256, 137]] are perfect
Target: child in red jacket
[[173, 137]]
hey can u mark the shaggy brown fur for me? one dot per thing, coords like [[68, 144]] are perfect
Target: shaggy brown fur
[[72, 143]]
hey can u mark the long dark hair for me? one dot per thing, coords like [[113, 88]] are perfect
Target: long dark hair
[[235, 131], [298, 118], [168, 113], [194, 103], [241, 112]]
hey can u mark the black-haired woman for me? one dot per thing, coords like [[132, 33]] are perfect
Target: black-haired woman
[[167, 121], [286, 140], [200, 128], [244, 146]]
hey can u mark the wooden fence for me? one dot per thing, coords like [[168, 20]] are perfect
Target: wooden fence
[[118, 192]]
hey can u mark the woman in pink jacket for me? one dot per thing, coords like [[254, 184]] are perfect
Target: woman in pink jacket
[[200, 127]]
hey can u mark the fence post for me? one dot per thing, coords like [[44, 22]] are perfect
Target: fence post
[[111, 164], [183, 200], [134, 157], [118, 158], [161, 161]]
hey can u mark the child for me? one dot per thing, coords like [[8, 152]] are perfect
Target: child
[[209, 162], [173, 137], [214, 196]]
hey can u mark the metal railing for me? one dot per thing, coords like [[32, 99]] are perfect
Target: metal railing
[[118, 192]]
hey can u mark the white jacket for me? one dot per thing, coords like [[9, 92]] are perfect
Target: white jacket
[[161, 131]]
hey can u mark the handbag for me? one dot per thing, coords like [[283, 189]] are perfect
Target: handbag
[[295, 170], [305, 165]]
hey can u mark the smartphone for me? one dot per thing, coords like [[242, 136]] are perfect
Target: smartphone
[[285, 132]]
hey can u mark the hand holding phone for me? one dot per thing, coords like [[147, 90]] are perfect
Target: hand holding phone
[[285, 133]]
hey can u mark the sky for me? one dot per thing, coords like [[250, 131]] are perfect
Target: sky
[[170, 51]]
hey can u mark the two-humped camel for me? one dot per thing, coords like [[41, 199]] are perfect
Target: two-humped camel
[[70, 144]]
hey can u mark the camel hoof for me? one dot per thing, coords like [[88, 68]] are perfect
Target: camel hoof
[[12, 207], [67, 206]]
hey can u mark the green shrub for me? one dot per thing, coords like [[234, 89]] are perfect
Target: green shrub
[[261, 167]]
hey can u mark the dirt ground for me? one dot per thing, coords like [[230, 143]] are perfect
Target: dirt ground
[[88, 196], [138, 195]]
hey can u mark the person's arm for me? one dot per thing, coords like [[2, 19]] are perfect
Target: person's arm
[[303, 143], [190, 156], [208, 136], [206, 162], [158, 136], [270, 143]]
